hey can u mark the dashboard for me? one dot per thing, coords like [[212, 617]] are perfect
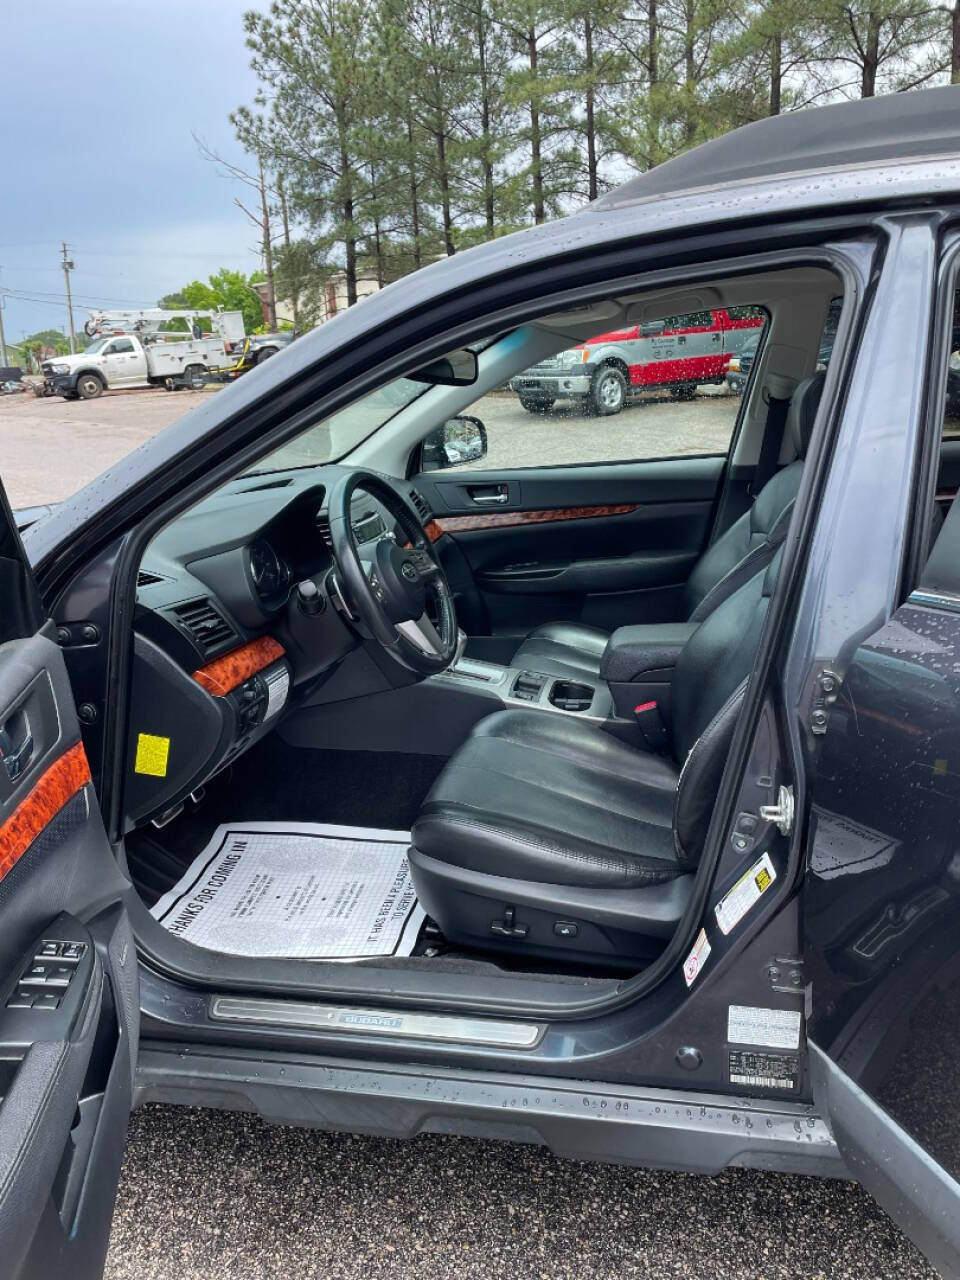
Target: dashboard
[[223, 647]]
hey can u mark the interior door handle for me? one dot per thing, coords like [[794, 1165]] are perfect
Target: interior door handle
[[15, 758], [486, 498]]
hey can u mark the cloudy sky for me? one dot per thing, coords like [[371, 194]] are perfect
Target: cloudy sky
[[97, 104]]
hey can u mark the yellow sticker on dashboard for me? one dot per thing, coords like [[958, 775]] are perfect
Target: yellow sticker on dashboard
[[152, 755]]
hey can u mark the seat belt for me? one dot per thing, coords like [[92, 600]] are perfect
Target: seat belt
[[777, 408]]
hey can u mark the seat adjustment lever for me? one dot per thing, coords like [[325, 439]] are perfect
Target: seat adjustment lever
[[508, 927]]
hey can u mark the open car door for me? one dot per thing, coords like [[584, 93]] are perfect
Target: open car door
[[882, 913], [69, 1005]]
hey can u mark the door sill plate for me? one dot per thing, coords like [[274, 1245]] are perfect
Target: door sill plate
[[380, 1022]]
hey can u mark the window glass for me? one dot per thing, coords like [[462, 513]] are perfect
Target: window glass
[[951, 415], [638, 393]]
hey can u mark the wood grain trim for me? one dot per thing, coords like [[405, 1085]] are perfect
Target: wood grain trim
[[57, 785], [225, 673], [440, 525]]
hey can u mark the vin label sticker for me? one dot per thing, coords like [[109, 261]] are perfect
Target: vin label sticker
[[746, 893], [775, 1028], [698, 957], [764, 1070]]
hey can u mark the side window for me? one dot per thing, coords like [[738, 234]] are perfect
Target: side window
[[120, 347], [661, 389], [951, 415]]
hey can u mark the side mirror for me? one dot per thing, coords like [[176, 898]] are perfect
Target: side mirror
[[459, 440]]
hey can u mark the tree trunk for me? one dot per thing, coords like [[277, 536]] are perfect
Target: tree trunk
[[292, 283], [346, 212], [414, 197], [486, 164], [955, 43], [689, 70], [444, 180], [536, 161], [776, 73], [871, 57], [591, 124], [653, 70], [267, 249]]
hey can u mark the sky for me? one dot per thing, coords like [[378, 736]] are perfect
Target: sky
[[97, 104]]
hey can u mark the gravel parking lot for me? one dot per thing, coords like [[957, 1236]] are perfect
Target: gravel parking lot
[[208, 1196], [222, 1195], [51, 447]]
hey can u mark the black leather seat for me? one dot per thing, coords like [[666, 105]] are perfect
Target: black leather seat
[[574, 650], [547, 835]]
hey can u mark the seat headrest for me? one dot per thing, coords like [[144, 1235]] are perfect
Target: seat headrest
[[803, 411]]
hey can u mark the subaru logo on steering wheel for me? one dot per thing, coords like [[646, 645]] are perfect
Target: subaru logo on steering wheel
[[409, 570]]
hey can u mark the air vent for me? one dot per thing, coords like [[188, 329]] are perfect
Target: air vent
[[147, 579], [423, 511], [323, 525], [209, 630]]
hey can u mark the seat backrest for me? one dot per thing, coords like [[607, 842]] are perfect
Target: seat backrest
[[748, 545], [709, 681]]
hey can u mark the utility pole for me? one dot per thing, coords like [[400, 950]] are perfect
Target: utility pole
[[3, 341], [67, 268]]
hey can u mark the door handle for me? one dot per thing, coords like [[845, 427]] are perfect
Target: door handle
[[15, 758], [487, 495]]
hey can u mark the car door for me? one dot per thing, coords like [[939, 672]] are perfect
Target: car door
[[123, 363], [881, 897], [69, 1001]]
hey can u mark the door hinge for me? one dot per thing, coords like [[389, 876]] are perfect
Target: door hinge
[[825, 690], [781, 813]]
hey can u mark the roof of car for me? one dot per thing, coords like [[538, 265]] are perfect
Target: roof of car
[[897, 127]]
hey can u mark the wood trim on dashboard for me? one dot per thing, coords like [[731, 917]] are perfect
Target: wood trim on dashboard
[[53, 789], [439, 525], [225, 673]]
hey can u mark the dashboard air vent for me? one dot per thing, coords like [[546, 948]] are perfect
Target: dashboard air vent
[[416, 497], [323, 525], [145, 578], [205, 625]]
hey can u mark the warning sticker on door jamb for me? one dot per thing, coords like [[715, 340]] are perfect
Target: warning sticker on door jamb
[[699, 954], [746, 893]]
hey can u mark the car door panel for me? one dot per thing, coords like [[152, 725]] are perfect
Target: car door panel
[[69, 1004], [605, 544]]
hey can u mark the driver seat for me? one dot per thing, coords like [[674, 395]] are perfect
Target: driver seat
[[547, 836]]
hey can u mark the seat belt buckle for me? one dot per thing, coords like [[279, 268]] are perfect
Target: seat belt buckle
[[650, 721]]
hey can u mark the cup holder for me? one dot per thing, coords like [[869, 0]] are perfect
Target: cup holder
[[568, 695]]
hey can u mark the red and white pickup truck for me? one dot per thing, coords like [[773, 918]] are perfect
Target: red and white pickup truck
[[680, 352]]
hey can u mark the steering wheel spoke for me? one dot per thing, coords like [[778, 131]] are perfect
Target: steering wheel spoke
[[392, 581]]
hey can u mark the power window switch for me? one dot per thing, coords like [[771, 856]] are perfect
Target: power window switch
[[37, 974], [22, 1000], [47, 1001], [72, 950], [48, 950], [59, 977]]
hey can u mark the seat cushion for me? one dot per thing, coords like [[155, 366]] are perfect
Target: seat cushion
[[546, 798], [568, 649]]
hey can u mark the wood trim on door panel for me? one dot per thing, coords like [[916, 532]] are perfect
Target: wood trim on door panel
[[439, 525], [225, 673], [53, 789]]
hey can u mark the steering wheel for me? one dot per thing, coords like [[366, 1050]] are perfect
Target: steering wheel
[[389, 595]]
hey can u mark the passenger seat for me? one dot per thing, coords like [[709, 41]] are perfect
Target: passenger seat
[[574, 650]]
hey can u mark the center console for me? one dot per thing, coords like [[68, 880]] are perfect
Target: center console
[[519, 687]]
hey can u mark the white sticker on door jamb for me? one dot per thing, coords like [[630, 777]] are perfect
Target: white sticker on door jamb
[[746, 893]]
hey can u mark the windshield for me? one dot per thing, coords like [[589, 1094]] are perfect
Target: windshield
[[331, 438], [94, 347]]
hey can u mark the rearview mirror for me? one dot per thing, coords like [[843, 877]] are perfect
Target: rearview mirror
[[456, 369], [459, 440]]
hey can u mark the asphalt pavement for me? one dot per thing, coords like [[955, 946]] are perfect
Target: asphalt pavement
[[219, 1196]]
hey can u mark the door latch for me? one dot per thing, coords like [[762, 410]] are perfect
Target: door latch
[[781, 813]]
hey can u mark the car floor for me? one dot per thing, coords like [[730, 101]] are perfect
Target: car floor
[[277, 782]]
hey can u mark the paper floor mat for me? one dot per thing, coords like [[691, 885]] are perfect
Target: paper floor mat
[[297, 890]]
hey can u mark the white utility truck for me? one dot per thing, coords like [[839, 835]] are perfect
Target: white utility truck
[[132, 350]]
